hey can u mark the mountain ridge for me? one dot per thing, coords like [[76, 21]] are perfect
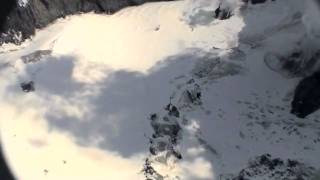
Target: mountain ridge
[[23, 19]]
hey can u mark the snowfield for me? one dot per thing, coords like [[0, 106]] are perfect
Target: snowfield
[[161, 91]]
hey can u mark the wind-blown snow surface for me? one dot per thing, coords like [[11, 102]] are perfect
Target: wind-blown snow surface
[[98, 78]]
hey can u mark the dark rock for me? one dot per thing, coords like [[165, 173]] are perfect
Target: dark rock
[[152, 150], [20, 22], [171, 130], [292, 163], [177, 155], [277, 162], [153, 116], [27, 86], [191, 96], [172, 110], [149, 172], [255, 1], [306, 96], [157, 28], [222, 14], [273, 168]]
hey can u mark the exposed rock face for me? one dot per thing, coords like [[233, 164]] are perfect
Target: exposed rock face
[[222, 14], [257, 1], [23, 20], [296, 64], [267, 167], [307, 96]]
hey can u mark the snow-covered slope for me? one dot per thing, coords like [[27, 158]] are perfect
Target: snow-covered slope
[[20, 18], [160, 91]]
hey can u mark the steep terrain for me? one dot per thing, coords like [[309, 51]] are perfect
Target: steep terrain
[[28, 15], [192, 90]]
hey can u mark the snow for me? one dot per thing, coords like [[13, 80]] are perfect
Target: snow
[[23, 3], [201, 12], [310, 20], [98, 78]]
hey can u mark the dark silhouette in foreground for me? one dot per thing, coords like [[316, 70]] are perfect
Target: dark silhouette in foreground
[[5, 173], [5, 8]]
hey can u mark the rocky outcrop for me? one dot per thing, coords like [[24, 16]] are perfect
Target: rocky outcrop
[[267, 167], [21, 21], [307, 96]]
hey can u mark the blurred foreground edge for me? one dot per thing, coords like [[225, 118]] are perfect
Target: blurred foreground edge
[[5, 173]]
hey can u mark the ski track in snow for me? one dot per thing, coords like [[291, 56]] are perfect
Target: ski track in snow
[[189, 102]]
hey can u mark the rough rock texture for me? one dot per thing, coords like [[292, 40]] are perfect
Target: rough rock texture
[[22, 21], [222, 14], [266, 167]]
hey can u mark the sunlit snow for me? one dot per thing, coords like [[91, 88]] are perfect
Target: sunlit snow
[[98, 78]]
